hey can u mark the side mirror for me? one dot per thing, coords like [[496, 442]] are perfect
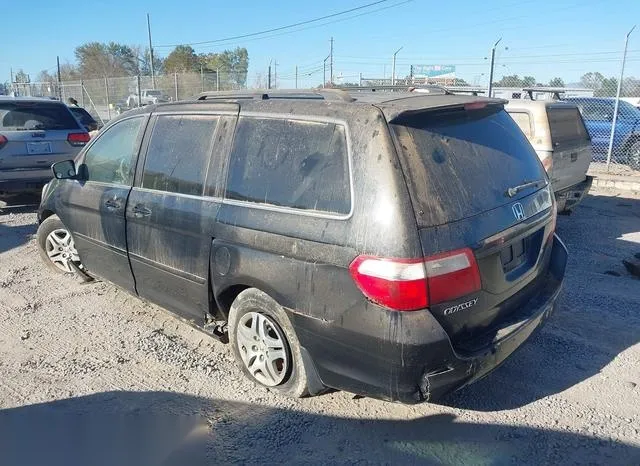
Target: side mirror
[[64, 170]]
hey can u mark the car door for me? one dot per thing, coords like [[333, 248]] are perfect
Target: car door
[[598, 116], [94, 205], [173, 206]]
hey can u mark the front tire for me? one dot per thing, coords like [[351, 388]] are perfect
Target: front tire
[[57, 247], [265, 345]]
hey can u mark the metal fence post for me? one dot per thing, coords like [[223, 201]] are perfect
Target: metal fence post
[[175, 83], [217, 79], [615, 108], [106, 86], [139, 99], [82, 93]]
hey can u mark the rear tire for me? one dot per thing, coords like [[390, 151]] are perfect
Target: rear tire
[[265, 345], [57, 247]]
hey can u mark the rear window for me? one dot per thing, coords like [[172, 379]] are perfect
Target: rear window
[[461, 163], [566, 126], [82, 115], [24, 116]]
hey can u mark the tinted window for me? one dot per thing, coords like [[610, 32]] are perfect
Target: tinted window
[[179, 153], [36, 115], [523, 120], [290, 163], [566, 125], [461, 163], [111, 158], [81, 114]]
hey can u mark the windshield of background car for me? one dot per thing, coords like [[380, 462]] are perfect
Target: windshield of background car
[[461, 163], [24, 116]]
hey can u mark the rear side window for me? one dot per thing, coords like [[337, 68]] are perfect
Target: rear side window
[[290, 163], [17, 116], [523, 120], [566, 126], [461, 163], [178, 154]]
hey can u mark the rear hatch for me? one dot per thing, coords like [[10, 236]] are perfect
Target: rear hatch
[[36, 134], [571, 146], [484, 211]]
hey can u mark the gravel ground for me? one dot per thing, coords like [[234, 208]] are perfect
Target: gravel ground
[[92, 375]]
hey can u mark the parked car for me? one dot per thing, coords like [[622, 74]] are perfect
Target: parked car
[[147, 97], [85, 118], [559, 137], [396, 246], [34, 133], [598, 117]]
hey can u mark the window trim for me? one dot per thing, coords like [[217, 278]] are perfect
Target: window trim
[[81, 157], [144, 152], [294, 210]]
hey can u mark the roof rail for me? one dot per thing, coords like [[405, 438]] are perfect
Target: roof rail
[[427, 89], [274, 94]]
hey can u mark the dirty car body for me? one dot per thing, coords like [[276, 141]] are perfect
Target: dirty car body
[[382, 226]]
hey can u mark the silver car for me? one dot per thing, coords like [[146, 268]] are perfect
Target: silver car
[[34, 133]]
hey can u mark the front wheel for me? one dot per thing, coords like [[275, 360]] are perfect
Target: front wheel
[[56, 246], [265, 344]]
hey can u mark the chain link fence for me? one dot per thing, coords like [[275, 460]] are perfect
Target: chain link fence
[[602, 112]]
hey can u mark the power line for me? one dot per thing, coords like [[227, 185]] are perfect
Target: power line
[[309, 27], [266, 31]]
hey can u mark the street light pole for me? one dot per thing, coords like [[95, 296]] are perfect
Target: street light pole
[[493, 59], [393, 72], [615, 108]]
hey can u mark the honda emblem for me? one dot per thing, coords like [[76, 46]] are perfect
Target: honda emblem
[[518, 211]]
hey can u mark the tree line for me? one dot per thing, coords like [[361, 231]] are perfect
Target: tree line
[[601, 85], [109, 60]]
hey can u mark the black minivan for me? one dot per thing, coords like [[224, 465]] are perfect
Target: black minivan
[[387, 244]]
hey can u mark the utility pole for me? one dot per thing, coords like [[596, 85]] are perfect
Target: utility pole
[[296, 76], [331, 62], [324, 71], [615, 109], [269, 78], [493, 60], [275, 74], [393, 72], [59, 80], [153, 76]]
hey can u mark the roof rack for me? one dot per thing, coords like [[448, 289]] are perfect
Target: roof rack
[[555, 91], [473, 90], [335, 95], [426, 89]]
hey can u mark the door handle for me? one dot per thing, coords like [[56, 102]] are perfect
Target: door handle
[[140, 211], [574, 156], [112, 204]]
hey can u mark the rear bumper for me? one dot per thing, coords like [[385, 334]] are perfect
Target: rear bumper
[[570, 197], [407, 356]]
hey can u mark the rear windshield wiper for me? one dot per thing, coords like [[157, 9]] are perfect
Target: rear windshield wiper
[[516, 189]]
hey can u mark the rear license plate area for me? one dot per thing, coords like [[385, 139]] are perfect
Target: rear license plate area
[[514, 255], [38, 148]]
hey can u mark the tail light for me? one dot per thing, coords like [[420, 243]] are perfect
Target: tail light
[[78, 139], [412, 284], [3, 141]]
